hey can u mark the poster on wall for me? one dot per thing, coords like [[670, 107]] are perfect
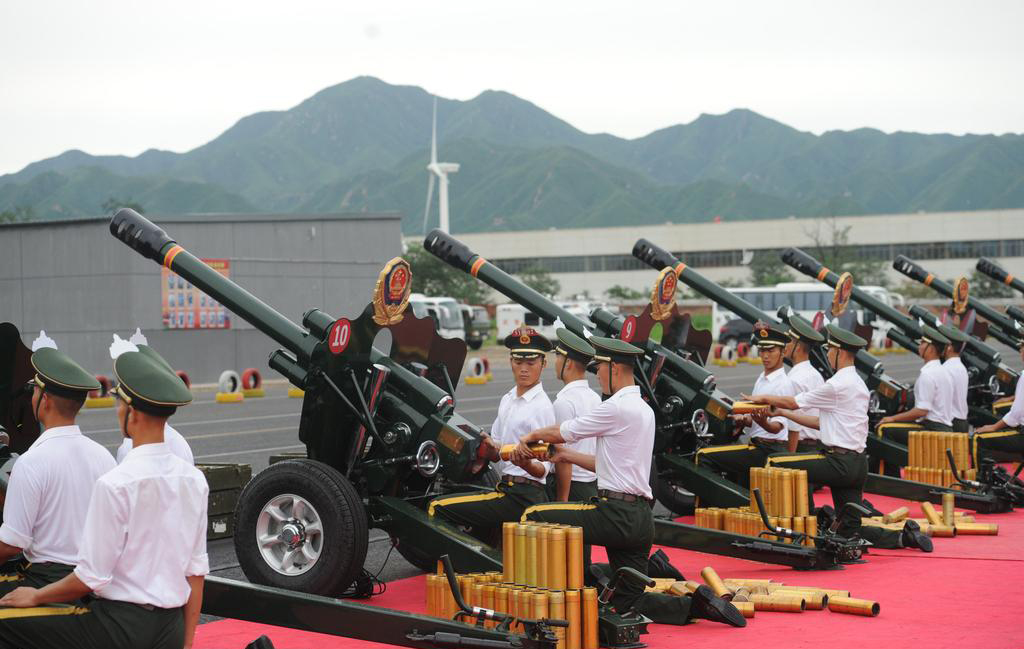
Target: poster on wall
[[186, 307]]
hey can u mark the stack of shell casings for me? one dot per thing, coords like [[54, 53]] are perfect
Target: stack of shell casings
[[542, 578], [785, 496], [926, 457]]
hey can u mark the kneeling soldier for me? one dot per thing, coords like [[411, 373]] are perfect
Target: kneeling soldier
[[842, 404], [620, 518], [1007, 434], [525, 407], [50, 486], [143, 552]]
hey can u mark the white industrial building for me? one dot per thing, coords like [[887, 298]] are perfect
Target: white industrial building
[[947, 244]]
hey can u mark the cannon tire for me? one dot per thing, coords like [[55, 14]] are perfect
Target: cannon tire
[[328, 500]]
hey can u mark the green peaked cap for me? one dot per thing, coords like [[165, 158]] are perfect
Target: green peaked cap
[[148, 384], [839, 337], [618, 351], [571, 345], [932, 335], [58, 373], [802, 330], [952, 333]]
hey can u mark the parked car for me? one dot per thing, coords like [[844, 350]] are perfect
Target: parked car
[[477, 324], [735, 331]]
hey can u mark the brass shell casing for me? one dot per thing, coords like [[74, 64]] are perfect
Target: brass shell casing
[[574, 561], [945, 531], [519, 562], [977, 529], [853, 606], [556, 611], [814, 600], [574, 634], [811, 528], [508, 550], [465, 587], [487, 601], [543, 554], [556, 559], [947, 508], [478, 595], [783, 603], [745, 608], [731, 582], [930, 513], [589, 618], [539, 601], [678, 589], [541, 451], [431, 595], [801, 506], [715, 582], [501, 598], [896, 515], [798, 524], [787, 495], [741, 594], [532, 548]]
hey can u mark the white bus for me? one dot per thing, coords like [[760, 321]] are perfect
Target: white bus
[[806, 299], [512, 316]]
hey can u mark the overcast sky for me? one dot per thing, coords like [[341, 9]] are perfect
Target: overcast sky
[[123, 76]]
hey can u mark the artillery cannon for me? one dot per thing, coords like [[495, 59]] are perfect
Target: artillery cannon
[[1003, 328], [381, 433], [998, 273], [990, 377], [683, 396], [16, 416]]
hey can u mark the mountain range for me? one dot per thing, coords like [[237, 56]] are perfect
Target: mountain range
[[363, 145]]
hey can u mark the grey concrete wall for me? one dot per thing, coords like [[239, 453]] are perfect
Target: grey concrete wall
[[81, 285]]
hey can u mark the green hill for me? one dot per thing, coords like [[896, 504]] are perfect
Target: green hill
[[363, 145]]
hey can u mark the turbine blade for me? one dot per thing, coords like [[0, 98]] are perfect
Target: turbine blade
[[430, 195]]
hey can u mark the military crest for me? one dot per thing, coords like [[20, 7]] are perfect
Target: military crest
[[841, 296], [961, 294], [391, 295], [663, 297]]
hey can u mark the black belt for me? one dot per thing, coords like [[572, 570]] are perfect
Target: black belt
[[760, 441], [839, 450], [518, 479], [618, 495]]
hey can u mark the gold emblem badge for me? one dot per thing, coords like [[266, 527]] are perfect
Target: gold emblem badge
[[841, 296], [391, 295], [763, 333], [525, 339], [663, 296], [961, 293]]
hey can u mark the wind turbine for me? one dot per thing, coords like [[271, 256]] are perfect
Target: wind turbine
[[438, 171]]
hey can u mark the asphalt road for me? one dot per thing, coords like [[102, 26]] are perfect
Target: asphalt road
[[251, 431]]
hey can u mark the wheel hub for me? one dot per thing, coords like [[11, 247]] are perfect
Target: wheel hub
[[293, 534], [289, 534]]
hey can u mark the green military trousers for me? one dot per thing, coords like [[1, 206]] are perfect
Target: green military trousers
[[845, 475], [735, 460], [35, 575], [626, 530], [100, 624], [483, 512], [1006, 441]]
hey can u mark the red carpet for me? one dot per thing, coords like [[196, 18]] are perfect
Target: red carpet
[[968, 593]]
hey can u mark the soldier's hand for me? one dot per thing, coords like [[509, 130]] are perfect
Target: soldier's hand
[[558, 454], [23, 597], [760, 416], [742, 421], [887, 420], [760, 398], [522, 454], [490, 448]]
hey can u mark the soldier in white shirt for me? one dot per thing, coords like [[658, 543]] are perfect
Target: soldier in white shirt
[[143, 554], [767, 434], [574, 483], [958, 373], [933, 397], [804, 378], [842, 420], [620, 518], [525, 407], [48, 494], [1007, 434]]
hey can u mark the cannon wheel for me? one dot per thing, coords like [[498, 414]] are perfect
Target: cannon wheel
[[301, 525], [674, 497], [420, 559]]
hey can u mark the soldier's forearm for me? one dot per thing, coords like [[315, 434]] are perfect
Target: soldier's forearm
[[551, 434]]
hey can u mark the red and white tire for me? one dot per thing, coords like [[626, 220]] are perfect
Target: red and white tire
[[251, 379]]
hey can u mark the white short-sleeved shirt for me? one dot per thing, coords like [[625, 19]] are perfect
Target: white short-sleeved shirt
[[576, 399], [805, 378], [145, 531], [517, 416], [1015, 417], [779, 384], [842, 403], [624, 428], [933, 391], [172, 438], [958, 373], [49, 494]]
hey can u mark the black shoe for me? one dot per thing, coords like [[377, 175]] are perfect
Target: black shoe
[[707, 606], [872, 510], [262, 642], [659, 566], [912, 537]]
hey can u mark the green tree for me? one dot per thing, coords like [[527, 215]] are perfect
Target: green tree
[[18, 214], [832, 248], [540, 280], [622, 293], [766, 269], [984, 286], [433, 277], [915, 290], [113, 204]]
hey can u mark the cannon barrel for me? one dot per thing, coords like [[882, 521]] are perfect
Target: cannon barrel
[[1016, 313], [140, 234], [914, 271], [659, 258], [998, 273]]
